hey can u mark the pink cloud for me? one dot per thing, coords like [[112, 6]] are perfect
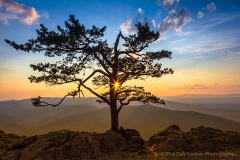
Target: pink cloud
[[6, 16], [14, 10], [32, 15], [13, 6]]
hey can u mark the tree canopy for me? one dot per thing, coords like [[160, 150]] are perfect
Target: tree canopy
[[84, 50]]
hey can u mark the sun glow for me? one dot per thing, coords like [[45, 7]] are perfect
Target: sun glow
[[116, 85]]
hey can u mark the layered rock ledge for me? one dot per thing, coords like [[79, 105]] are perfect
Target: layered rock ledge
[[171, 143]]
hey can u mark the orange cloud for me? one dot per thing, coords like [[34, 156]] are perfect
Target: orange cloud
[[195, 86]]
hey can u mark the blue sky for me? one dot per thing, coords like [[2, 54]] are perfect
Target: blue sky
[[204, 36]]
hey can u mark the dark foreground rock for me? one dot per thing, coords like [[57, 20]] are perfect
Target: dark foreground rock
[[171, 143], [199, 143]]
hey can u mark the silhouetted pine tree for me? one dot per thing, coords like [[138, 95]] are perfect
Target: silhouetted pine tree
[[84, 50]]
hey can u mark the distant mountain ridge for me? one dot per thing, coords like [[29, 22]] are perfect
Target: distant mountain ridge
[[203, 96], [85, 114]]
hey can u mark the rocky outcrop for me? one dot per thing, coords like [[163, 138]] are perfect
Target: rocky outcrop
[[8, 138], [201, 142], [171, 143], [67, 145]]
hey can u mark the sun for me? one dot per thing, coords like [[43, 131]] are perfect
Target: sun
[[116, 85]]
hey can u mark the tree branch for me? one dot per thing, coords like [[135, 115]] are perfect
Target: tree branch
[[95, 71], [105, 58], [101, 62], [38, 103], [96, 94], [116, 43], [123, 104]]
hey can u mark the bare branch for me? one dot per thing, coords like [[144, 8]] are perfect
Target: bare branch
[[116, 43], [38, 103], [123, 104], [105, 58], [101, 62], [96, 94], [95, 71]]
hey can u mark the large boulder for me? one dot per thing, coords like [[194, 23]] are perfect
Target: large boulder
[[137, 140], [128, 133]]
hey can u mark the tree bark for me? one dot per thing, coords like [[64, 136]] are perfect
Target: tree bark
[[114, 118], [113, 90], [113, 107]]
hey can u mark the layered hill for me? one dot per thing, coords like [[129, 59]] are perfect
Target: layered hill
[[84, 114]]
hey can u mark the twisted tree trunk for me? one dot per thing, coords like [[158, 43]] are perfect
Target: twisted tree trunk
[[113, 107]]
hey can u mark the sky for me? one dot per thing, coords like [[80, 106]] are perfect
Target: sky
[[203, 35]]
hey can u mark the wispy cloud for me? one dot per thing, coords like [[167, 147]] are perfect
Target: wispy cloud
[[211, 7], [204, 37], [193, 87], [10, 9], [232, 53], [44, 15], [168, 4], [129, 27], [229, 52], [214, 21], [198, 57], [176, 18], [4, 16], [200, 15]]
